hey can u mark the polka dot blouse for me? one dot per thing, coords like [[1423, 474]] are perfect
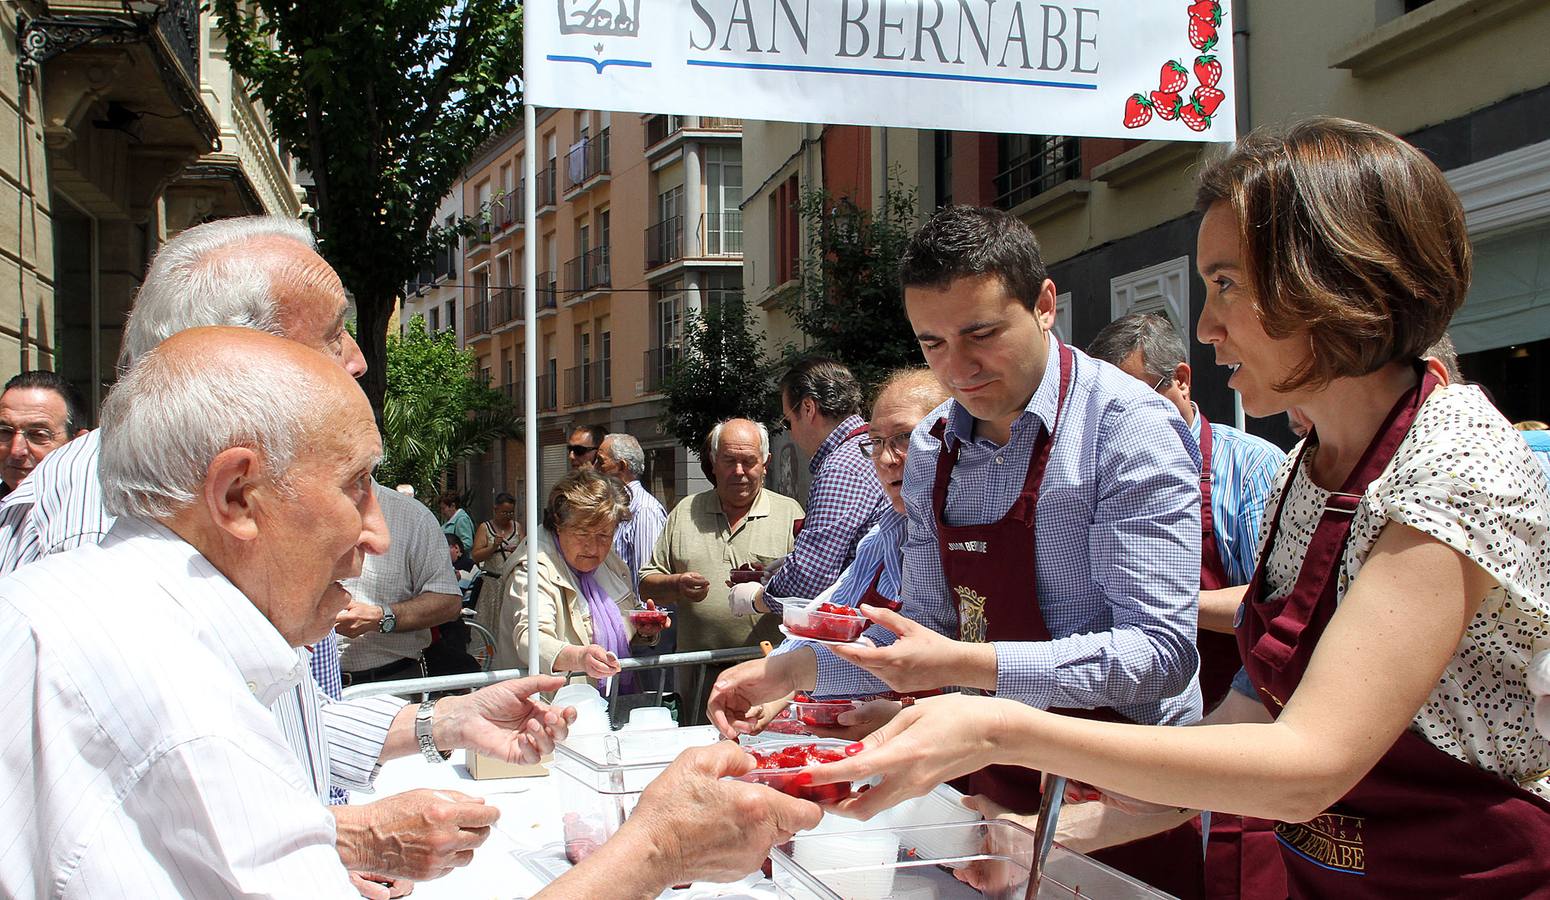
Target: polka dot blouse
[[1464, 477]]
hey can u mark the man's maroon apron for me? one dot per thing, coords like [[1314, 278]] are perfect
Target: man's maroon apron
[[1243, 859], [990, 570], [1421, 823]]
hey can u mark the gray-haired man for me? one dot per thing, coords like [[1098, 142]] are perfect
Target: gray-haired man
[[621, 456]]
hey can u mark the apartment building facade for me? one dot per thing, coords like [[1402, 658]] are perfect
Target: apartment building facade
[[120, 124], [638, 224], [436, 293], [1467, 81]]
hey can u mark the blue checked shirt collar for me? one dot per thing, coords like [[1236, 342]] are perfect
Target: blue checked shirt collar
[[833, 441], [1041, 406]]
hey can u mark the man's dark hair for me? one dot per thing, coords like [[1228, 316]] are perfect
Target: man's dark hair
[[969, 241], [1151, 333], [596, 432], [831, 387], [75, 407], [504, 497]]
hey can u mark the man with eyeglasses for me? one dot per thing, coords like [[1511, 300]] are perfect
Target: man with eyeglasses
[[39, 413], [581, 449], [821, 401], [1237, 474]]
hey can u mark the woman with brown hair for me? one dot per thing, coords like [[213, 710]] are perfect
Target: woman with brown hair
[[584, 591], [1384, 720]]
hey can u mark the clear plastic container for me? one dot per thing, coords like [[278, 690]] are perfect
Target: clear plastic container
[[601, 775], [999, 860], [783, 779], [821, 713], [624, 762], [811, 622]]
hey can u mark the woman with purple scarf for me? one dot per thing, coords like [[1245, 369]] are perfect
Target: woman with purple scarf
[[584, 592]]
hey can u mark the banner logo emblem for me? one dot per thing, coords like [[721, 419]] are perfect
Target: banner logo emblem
[[603, 18]]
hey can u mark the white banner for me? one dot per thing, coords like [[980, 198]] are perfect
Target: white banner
[[1150, 69]]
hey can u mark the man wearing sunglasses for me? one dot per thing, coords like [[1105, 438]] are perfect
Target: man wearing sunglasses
[[581, 449], [39, 413]]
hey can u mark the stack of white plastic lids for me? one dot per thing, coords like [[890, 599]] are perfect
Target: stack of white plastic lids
[[591, 708]]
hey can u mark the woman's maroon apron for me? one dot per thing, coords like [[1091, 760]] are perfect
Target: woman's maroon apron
[[990, 570], [1243, 858], [1421, 823]]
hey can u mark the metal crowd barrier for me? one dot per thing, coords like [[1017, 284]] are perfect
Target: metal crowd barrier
[[700, 659]]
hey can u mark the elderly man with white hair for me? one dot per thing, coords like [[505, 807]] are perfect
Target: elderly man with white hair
[[710, 538], [621, 456], [141, 749], [263, 273]]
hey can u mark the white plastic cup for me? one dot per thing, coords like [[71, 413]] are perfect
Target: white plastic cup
[[652, 717]]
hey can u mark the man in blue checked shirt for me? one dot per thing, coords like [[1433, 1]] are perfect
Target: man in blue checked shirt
[[821, 401], [1242, 470], [1053, 548]]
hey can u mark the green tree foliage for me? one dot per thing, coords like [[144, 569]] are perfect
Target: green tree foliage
[[436, 411], [384, 101], [722, 373], [851, 307]]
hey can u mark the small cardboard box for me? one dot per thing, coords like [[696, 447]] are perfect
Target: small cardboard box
[[485, 767]]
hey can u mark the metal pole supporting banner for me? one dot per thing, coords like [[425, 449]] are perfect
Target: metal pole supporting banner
[[530, 362]]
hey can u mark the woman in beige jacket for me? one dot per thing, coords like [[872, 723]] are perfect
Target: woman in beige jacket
[[584, 592]]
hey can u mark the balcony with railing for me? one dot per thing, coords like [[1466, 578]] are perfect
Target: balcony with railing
[[659, 364], [665, 242], [178, 26], [588, 272], [586, 161], [660, 128], [506, 211], [664, 133], [516, 395], [479, 241], [724, 233], [505, 306], [548, 399], [479, 318], [548, 292], [546, 193], [590, 383]]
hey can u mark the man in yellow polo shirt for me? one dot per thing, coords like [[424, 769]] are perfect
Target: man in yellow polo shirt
[[711, 533]]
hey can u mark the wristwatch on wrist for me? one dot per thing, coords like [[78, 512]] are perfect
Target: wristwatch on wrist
[[422, 733], [389, 621]]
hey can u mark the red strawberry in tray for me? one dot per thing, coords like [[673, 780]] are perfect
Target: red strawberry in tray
[[1195, 117], [1174, 77], [1208, 70], [1138, 111], [1206, 10], [1166, 105], [1208, 99], [1202, 34]]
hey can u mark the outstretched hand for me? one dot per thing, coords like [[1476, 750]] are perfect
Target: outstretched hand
[[920, 659], [505, 720]]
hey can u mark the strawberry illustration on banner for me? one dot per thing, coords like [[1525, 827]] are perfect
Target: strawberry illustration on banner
[[1174, 77], [1138, 111], [1172, 101], [1208, 70]]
